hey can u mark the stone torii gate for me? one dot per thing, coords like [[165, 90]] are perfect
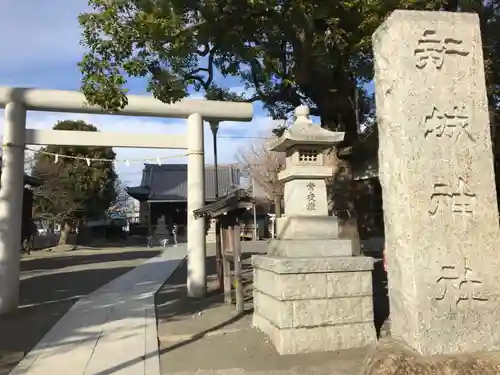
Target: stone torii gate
[[17, 101]]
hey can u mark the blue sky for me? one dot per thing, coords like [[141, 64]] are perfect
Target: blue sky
[[40, 48]]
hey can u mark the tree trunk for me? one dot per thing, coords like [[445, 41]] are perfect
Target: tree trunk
[[65, 231], [344, 201]]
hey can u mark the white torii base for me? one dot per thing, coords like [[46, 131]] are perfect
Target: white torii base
[[17, 101]]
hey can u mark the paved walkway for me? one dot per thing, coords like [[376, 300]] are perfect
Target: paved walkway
[[110, 331], [51, 282], [207, 337]]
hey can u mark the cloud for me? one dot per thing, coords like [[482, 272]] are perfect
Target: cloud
[[40, 32], [232, 136], [42, 51]]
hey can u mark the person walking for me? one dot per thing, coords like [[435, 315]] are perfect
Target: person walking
[[174, 234], [150, 237]]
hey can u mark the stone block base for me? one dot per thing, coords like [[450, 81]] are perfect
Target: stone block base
[[312, 248], [317, 339], [307, 227], [314, 304], [210, 237]]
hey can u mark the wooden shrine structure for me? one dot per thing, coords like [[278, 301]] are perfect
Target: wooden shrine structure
[[228, 210]]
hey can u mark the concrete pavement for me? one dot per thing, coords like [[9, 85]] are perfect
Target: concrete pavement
[[110, 331]]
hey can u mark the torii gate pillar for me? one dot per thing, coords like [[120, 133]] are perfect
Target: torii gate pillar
[[11, 205], [197, 281], [17, 101]]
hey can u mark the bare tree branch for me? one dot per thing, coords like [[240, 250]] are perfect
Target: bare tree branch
[[263, 166], [205, 82]]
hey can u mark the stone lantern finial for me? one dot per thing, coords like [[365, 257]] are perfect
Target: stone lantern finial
[[302, 112]]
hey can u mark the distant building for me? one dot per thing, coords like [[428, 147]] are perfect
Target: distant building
[[29, 183], [163, 190], [133, 210], [126, 206]]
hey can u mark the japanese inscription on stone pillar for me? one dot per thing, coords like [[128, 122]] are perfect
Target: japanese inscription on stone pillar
[[456, 200], [432, 49], [438, 185], [452, 124], [459, 285]]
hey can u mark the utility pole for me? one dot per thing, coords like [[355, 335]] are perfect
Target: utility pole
[[214, 126], [254, 212]]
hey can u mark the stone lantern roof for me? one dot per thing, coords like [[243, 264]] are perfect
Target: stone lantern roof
[[304, 132], [304, 144]]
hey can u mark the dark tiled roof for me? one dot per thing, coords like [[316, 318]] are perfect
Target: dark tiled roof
[[168, 182], [235, 200]]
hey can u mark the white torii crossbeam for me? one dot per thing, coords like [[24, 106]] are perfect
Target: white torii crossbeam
[[17, 101], [107, 139]]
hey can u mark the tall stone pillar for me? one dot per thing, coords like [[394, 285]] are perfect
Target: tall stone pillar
[[438, 183], [310, 293], [11, 205], [196, 245]]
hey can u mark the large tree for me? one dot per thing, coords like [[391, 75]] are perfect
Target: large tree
[[287, 52], [74, 188], [284, 52]]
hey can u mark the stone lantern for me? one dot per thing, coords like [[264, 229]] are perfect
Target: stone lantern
[[310, 292], [305, 193], [305, 171]]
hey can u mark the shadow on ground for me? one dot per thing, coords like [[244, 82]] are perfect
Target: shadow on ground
[[70, 260], [172, 301], [206, 336], [380, 297], [47, 295], [179, 316]]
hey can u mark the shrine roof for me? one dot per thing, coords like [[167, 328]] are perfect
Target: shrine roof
[[168, 182], [236, 200]]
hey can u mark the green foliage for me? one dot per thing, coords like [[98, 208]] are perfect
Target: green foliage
[[489, 13], [284, 52], [287, 52], [72, 189]]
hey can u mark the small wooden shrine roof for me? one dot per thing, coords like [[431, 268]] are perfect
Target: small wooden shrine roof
[[235, 202]]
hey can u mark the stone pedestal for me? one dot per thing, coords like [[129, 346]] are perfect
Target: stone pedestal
[[310, 293], [161, 230], [314, 304]]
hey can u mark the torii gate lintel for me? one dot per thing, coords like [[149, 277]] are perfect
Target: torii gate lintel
[[17, 101]]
